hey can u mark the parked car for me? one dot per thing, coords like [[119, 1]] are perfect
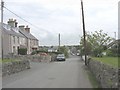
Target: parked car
[[43, 54], [60, 57], [78, 54]]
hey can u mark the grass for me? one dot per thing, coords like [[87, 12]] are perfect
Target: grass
[[93, 80], [8, 60], [113, 61]]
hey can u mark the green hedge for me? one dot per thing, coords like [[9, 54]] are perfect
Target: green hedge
[[22, 51]]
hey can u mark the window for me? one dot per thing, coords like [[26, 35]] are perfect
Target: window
[[18, 40], [14, 51], [14, 39]]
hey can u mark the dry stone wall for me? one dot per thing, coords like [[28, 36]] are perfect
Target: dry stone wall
[[34, 58], [106, 75], [14, 67]]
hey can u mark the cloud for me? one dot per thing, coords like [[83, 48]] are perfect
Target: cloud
[[64, 16]]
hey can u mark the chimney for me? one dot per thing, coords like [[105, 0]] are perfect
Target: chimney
[[27, 29], [12, 23], [22, 27]]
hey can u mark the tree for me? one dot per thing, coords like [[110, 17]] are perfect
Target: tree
[[63, 50], [95, 42]]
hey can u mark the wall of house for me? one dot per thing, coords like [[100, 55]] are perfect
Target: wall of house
[[6, 44], [14, 44], [106, 75], [22, 41], [29, 47], [36, 43], [33, 44], [0, 46]]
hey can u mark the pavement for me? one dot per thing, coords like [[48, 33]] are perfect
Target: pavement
[[61, 74]]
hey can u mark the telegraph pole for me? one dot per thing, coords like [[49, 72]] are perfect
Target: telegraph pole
[[59, 41], [84, 31], [1, 31], [115, 35]]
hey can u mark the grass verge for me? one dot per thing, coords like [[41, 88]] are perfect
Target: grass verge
[[93, 80], [8, 60], [113, 61]]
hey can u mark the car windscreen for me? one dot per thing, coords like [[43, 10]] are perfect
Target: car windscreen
[[60, 55]]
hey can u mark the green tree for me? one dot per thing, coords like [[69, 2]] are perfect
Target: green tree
[[95, 42], [63, 50]]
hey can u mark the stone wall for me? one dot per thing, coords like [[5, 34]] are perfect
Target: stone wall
[[9, 68], [33, 58], [106, 75], [40, 58]]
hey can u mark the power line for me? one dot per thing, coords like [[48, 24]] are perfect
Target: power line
[[24, 19]]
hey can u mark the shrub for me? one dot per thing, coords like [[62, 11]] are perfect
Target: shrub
[[22, 51], [34, 52]]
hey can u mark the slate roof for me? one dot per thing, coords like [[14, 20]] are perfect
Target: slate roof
[[15, 31], [114, 42], [8, 30], [28, 35]]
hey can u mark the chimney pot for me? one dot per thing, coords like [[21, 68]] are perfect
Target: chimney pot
[[27, 29], [22, 27], [12, 22]]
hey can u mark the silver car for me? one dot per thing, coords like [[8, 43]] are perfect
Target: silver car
[[60, 57]]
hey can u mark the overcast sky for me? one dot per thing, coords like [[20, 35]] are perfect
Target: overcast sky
[[64, 16]]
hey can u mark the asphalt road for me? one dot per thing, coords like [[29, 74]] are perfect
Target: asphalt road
[[62, 74]]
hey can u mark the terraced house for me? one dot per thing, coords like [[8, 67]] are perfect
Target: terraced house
[[15, 37]]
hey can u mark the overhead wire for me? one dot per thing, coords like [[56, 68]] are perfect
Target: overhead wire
[[25, 20]]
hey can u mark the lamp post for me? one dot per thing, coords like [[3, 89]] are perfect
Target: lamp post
[[84, 32]]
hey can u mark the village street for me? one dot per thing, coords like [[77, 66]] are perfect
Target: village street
[[63, 74]]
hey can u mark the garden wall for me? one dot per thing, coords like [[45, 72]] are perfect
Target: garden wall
[[33, 58], [36, 58], [9, 68], [106, 75]]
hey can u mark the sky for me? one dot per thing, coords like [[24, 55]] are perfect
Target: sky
[[51, 17]]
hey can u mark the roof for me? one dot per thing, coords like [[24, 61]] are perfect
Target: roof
[[12, 31], [28, 35], [15, 31], [114, 42]]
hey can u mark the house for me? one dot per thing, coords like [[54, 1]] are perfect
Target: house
[[114, 43], [31, 41], [12, 40], [53, 49], [15, 37]]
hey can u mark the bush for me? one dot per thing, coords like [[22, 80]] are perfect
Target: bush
[[34, 52], [63, 50], [22, 51], [111, 53]]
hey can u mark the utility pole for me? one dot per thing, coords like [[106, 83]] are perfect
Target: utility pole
[[84, 31], [1, 31], [115, 35], [59, 40]]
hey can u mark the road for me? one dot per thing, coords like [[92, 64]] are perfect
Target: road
[[65, 74]]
